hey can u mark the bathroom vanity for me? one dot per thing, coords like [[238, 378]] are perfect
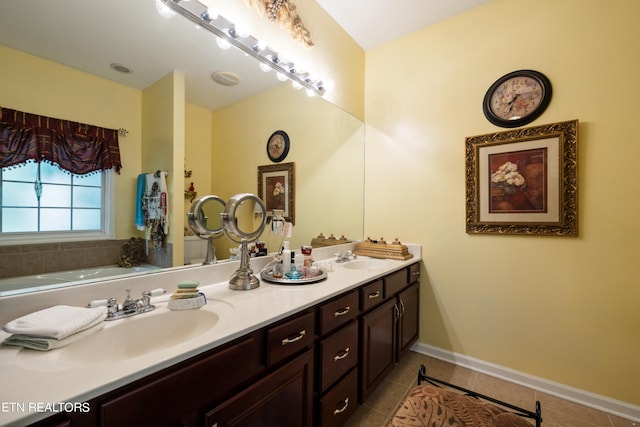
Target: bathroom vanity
[[304, 355]]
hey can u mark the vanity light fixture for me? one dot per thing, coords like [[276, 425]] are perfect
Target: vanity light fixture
[[226, 30]]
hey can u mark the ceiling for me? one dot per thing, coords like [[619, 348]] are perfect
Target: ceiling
[[372, 23], [91, 35]]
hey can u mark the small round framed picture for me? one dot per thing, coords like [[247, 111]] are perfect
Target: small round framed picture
[[517, 98], [278, 146]]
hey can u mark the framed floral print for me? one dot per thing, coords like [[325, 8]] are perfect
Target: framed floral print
[[523, 181], [276, 188]]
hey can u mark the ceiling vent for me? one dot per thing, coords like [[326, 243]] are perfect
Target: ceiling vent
[[225, 78]]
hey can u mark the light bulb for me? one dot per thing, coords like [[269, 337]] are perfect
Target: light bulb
[[164, 10], [222, 43]]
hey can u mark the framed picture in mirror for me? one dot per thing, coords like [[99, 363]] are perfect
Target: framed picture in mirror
[[523, 181], [276, 188]]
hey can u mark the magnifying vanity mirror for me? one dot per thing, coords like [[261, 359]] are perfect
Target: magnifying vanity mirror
[[205, 220], [239, 227], [63, 44]]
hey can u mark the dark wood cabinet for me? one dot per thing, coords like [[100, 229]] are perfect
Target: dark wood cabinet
[[408, 304], [371, 295], [378, 348], [388, 331], [289, 337], [336, 406], [337, 356], [313, 368], [177, 396], [282, 398]]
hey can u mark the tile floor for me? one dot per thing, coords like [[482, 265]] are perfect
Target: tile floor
[[378, 409]]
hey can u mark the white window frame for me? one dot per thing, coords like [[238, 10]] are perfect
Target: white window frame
[[108, 217]]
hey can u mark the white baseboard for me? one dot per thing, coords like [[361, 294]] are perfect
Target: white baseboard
[[602, 403]]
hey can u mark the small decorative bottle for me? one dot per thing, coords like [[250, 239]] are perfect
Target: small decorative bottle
[[277, 270], [293, 273]]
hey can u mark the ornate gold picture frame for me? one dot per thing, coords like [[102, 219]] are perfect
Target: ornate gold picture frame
[[276, 188], [523, 181]]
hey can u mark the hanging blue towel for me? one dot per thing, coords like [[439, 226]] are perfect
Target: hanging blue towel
[[140, 190]]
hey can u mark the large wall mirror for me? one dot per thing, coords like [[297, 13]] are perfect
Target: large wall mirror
[[61, 57]]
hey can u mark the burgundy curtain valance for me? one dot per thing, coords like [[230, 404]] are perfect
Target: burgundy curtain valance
[[76, 147]]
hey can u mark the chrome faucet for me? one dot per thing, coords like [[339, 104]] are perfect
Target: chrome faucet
[[129, 307], [345, 256]]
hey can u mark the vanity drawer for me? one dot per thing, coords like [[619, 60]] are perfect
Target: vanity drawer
[[395, 282], [338, 354], [289, 337], [340, 402], [371, 295], [338, 312], [414, 272]]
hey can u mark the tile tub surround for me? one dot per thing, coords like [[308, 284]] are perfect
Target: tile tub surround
[[24, 260], [251, 310], [39, 258]]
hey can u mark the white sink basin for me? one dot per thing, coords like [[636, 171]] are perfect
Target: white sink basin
[[367, 264], [128, 338]]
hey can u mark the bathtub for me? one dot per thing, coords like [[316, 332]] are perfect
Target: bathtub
[[38, 282]]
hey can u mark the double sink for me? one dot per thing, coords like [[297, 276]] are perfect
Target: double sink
[[148, 333]]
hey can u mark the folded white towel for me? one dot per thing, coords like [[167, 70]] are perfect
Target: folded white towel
[[56, 322], [46, 344]]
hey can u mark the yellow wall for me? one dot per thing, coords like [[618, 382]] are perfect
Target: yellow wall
[[197, 156], [563, 309], [37, 86], [163, 148], [327, 147]]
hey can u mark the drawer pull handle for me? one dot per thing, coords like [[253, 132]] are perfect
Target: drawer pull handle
[[294, 339], [416, 273], [344, 353], [344, 406], [341, 312], [376, 294]]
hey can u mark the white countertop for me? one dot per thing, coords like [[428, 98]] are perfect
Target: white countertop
[[33, 380]]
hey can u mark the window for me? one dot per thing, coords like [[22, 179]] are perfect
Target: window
[[40, 197], [55, 179]]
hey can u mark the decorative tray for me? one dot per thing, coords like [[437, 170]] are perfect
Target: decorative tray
[[267, 275], [382, 249]]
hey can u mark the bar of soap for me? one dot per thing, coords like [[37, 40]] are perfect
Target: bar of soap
[[188, 284], [185, 295]]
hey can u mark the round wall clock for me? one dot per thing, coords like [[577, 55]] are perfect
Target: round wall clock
[[278, 146], [517, 98]]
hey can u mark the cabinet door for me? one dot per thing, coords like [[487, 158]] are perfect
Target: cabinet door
[[408, 324], [378, 352], [178, 396], [282, 398]]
